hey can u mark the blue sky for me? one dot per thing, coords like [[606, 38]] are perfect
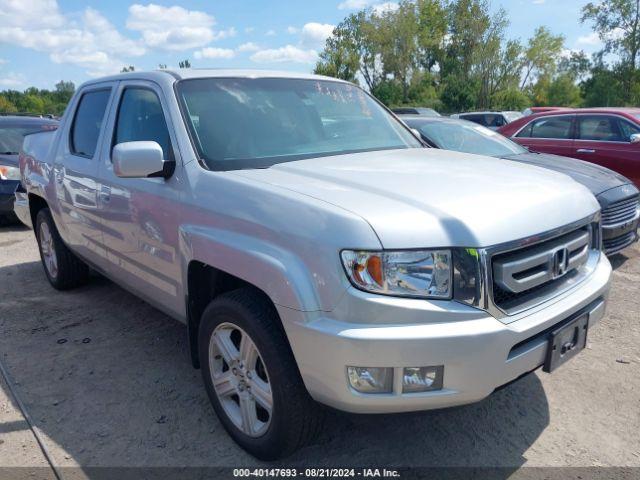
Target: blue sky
[[43, 41]]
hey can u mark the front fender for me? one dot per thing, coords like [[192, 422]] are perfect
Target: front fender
[[277, 272]]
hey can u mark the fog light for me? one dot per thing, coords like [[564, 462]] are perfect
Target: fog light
[[422, 379], [371, 379]]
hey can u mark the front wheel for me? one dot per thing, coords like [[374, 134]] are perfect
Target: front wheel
[[252, 378]]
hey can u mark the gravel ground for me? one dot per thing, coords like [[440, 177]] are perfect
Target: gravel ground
[[107, 381]]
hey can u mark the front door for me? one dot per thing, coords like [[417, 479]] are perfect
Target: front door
[[141, 215], [551, 134], [606, 140]]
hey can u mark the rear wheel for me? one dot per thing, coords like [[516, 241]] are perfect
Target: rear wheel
[[63, 269], [252, 378]]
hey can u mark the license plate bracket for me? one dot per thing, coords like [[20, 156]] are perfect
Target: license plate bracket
[[566, 342]]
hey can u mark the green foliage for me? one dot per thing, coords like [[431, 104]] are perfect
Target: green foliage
[[34, 100], [185, 63], [454, 54]]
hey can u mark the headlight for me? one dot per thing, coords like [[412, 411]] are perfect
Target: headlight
[[405, 273], [9, 173]]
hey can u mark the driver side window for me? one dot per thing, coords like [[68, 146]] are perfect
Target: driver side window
[[627, 129], [140, 118]]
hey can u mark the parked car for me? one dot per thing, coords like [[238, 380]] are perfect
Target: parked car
[[533, 110], [606, 136], [492, 120], [428, 112], [619, 199], [315, 249], [13, 128]]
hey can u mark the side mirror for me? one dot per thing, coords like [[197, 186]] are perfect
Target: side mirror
[[635, 138], [140, 160]]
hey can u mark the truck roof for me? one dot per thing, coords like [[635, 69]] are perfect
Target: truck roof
[[187, 73]]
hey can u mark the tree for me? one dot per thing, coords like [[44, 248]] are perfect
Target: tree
[[617, 23], [399, 48], [541, 55], [162, 66], [6, 106], [130, 68], [339, 58], [185, 63]]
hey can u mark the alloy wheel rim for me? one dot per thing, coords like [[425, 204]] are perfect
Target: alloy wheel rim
[[48, 250], [240, 379]]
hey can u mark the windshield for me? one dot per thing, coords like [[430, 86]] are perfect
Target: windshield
[[467, 137], [255, 123], [11, 138]]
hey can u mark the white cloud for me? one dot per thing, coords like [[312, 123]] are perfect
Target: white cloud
[[288, 53], [88, 40], [314, 34], [270, 33], [31, 14], [538, 2], [12, 80], [590, 39], [174, 28], [292, 30], [2, 61], [249, 30], [211, 52], [248, 47], [222, 34], [385, 7], [353, 4]]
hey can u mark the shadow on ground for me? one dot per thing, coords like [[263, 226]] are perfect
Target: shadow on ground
[[107, 379]]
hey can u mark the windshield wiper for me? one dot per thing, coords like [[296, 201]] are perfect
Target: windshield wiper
[[9, 153]]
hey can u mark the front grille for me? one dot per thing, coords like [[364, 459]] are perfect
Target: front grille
[[616, 244], [528, 275], [620, 212]]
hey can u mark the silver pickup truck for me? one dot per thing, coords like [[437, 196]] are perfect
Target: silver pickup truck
[[316, 250]]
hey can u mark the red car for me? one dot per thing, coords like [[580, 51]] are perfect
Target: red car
[[607, 136]]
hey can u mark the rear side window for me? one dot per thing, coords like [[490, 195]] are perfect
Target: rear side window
[[549, 127], [480, 119], [600, 128], [140, 118], [87, 122]]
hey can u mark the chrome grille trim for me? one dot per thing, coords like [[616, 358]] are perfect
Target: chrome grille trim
[[485, 300], [522, 270], [621, 212]]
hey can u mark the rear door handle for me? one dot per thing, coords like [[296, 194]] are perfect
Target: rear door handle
[[105, 193], [586, 150]]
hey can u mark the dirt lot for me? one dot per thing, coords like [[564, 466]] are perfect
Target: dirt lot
[[106, 380]]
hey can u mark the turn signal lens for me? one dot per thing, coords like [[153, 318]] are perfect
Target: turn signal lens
[[407, 273]]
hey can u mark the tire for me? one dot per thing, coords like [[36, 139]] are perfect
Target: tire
[[295, 418], [63, 269]]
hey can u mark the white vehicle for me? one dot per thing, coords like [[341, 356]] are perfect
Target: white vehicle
[[315, 249]]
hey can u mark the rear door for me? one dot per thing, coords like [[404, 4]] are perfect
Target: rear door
[[75, 170], [141, 216], [550, 134], [606, 140]]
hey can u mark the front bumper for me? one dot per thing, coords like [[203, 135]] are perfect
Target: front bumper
[[21, 208], [7, 195], [479, 352]]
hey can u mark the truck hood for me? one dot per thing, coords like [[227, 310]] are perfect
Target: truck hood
[[416, 198], [596, 178]]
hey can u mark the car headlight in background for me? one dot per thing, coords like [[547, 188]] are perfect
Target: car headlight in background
[[9, 173], [404, 273]]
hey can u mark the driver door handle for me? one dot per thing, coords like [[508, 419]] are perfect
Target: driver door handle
[[586, 150], [105, 193]]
